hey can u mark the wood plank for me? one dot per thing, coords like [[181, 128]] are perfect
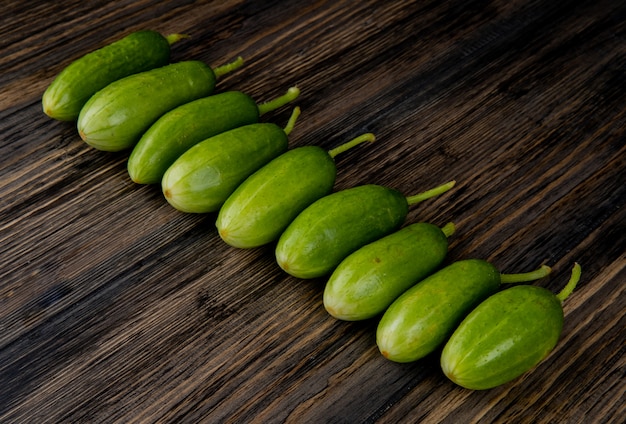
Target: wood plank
[[114, 307]]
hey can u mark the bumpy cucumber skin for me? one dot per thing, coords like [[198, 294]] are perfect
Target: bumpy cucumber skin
[[504, 337], [81, 79], [203, 177], [179, 129], [331, 228], [367, 281], [116, 117], [421, 319], [264, 205]]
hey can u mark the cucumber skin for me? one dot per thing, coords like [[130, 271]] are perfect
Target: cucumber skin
[[181, 128], [367, 281], [264, 205], [116, 117], [331, 228], [203, 177], [504, 337], [423, 317], [73, 86]]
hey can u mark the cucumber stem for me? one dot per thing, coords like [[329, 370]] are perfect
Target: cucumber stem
[[448, 229], [289, 96], [229, 67], [571, 284], [524, 277], [433, 192], [350, 144], [292, 120], [174, 38]]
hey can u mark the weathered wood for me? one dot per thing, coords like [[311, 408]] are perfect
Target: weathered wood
[[114, 307]]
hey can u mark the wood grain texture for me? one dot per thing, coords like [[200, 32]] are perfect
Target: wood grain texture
[[114, 307]]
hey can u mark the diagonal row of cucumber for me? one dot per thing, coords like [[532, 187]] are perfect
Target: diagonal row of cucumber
[[211, 153]]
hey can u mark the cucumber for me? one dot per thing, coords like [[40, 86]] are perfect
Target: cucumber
[[116, 117], [262, 207], [137, 52], [424, 316], [179, 129], [203, 177], [506, 336], [366, 282], [331, 228]]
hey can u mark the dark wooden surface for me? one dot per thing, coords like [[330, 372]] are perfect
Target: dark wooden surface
[[114, 307]]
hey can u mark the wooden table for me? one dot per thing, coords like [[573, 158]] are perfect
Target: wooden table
[[115, 307]]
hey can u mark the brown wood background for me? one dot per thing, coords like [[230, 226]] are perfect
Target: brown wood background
[[114, 307]]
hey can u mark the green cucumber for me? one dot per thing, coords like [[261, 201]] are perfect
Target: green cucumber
[[366, 282], [332, 227], [424, 316], [267, 201], [179, 129], [116, 117], [137, 52], [203, 177], [506, 336]]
